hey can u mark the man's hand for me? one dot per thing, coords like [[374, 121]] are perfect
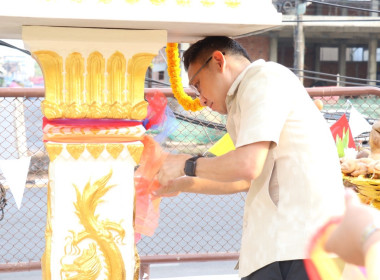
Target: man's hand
[[174, 187], [172, 168]]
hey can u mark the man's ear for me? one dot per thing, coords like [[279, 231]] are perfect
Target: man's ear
[[220, 59]]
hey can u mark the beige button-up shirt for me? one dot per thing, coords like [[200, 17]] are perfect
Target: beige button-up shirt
[[300, 187]]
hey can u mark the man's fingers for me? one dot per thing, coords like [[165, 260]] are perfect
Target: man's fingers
[[163, 190]]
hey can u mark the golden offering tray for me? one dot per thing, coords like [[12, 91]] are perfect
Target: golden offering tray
[[367, 189]]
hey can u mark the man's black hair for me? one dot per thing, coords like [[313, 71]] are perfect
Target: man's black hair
[[202, 49]]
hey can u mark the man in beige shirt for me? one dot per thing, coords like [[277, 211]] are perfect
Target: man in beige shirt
[[285, 157]]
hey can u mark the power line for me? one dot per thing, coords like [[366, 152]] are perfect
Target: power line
[[335, 81], [5, 44], [157, 82], [334, 75]]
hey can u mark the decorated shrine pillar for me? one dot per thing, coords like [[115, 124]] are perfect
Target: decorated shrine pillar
[[94, 106]]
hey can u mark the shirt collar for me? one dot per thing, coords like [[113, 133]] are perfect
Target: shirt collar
[[240, 77]]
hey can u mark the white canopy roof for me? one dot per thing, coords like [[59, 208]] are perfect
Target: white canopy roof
[[185, 20]]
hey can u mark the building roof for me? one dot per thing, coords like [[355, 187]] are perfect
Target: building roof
[[185, 20]]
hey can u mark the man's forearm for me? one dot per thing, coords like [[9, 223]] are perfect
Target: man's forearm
[[244, 163], [206, 186]]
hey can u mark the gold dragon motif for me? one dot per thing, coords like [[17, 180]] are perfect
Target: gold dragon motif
[[100, 235]]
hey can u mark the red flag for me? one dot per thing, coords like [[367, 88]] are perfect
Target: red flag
[[342, 135]]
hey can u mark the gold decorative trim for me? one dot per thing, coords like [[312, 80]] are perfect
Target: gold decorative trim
[[70, 134], [118, 111], [207, 3], [51, 64], [116, 68], [183, 2], [53, 150], [95, 149], [74, 68], [139, 111], [75, 150], [117, 97], [157, 2], [104, 236], [76, 111], [98, 110], [232, 3], [137, 67], [95, 86], [121, 100], [136, 151], [114, 149], [46, 257], [95, 110]]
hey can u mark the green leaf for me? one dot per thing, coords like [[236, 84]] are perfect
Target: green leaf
[[346, 135], [339, 146]]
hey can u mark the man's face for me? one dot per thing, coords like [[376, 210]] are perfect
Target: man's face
[[207, 81]]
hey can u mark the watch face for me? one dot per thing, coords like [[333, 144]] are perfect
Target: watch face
[[190, 167]]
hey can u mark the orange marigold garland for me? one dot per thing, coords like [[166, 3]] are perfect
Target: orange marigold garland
[[174, 72]]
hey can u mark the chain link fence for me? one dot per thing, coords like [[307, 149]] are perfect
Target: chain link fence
[[189, 223]]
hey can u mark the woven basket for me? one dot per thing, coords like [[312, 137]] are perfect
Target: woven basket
[[368, 189]]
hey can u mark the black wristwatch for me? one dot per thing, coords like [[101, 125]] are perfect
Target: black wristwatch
[[190, 166]]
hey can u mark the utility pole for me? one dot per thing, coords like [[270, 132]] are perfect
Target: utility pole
[[299, 41]]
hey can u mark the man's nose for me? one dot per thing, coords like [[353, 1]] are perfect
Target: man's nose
[[202, 100]]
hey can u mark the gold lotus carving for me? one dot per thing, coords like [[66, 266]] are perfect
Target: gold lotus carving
[[232, 3], [95, 149], [53, 150], [95, 79], [183, 2], [114, 149], [117, 111], [68, 96], [140, 111], [97, 111], [137, 66], [74, 68], [76, 111], [157, 2], [135, 150], [52, 67], [207, 3], [51, 110], [75, 150], [116, 68]]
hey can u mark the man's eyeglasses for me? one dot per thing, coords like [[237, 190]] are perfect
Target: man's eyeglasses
[[194, 88]]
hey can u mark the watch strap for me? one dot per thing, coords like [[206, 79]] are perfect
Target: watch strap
[[190, 166]]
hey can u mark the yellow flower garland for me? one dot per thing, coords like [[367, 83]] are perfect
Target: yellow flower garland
[[175, 80]]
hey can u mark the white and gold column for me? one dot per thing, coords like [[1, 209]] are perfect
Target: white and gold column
[[98, 75]]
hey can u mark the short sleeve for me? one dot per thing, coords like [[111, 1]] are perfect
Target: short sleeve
[[265, 99]]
